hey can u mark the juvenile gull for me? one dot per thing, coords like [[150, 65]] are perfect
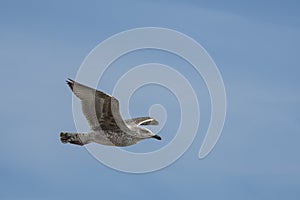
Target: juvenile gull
[[107, 126]]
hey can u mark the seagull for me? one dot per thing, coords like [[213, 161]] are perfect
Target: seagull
[[107, 126]]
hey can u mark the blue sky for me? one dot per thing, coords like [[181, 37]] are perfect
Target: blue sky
[[255, 45]]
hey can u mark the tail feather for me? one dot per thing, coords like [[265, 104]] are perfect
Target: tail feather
[[73, 138]]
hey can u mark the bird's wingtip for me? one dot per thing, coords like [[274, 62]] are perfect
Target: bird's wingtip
[[155, 122], [70, 83]]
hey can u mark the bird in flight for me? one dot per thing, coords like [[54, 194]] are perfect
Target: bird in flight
[[107, 126]]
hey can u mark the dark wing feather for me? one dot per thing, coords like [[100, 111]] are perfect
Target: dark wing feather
[[100, 109]]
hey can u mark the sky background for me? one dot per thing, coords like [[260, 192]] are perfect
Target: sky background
[[256, 47]]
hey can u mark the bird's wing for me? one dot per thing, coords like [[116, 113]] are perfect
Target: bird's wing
[[101, 110], [142, 121]]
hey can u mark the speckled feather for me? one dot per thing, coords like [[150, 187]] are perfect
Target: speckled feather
[[107, 126]]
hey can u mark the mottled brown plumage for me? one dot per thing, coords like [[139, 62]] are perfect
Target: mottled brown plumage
[[103, 115]]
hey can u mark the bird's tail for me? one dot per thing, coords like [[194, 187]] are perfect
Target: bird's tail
[[74, 138]]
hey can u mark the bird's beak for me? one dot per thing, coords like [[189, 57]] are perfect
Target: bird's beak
[[156, 137]]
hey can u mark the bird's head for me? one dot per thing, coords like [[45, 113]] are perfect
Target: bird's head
[[146, 133]]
